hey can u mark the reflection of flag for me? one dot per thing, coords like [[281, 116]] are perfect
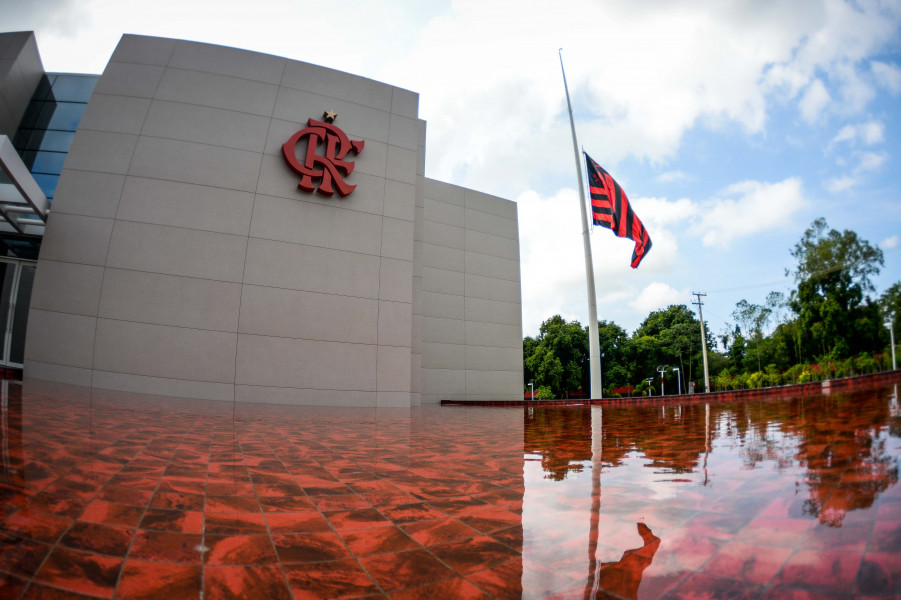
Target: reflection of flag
[[610, 208]]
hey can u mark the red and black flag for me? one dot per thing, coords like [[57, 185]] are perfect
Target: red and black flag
[[610, 208]]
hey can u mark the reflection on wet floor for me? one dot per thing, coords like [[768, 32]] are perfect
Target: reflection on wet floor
[[106, 495]]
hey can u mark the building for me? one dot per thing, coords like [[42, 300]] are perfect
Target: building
[[191, 249]]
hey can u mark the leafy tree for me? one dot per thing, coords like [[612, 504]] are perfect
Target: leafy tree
[[753, 318], [614, 344], [890, 305], [558, 357], [668, 337], [834, 273]]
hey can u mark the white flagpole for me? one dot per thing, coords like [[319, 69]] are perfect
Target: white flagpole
[[594, 347]]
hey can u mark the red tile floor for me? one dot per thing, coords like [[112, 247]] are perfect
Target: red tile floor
[[106, 495]]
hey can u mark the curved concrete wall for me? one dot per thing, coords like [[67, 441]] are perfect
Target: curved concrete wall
[[181, 259]]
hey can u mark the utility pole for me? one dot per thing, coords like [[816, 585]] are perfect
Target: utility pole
[[703, 340]]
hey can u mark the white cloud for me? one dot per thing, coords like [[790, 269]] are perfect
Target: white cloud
[[870, 161], [869, 134], [889, 243], [886, 75], [750, 207], [814, 101], [837, 185], [873, 132], [672, 177], [658, 295]]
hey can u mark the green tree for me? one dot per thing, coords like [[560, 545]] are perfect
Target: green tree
[[558, 357], [753, 318], [614, 344], [836, 316], [668, 337]]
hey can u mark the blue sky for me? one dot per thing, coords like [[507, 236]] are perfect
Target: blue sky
[[731, 125]]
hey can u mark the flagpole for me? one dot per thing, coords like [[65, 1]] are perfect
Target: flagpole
[[594, 347]]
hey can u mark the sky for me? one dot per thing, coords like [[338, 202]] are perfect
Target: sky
[[731, 125]]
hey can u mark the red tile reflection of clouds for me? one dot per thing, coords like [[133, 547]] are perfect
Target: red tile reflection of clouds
[[107, 495]]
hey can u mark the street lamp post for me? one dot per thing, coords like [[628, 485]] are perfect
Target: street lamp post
[[679, 378], [662, 369], [601, 374], [648, 381], [532, 387], [891, 331]]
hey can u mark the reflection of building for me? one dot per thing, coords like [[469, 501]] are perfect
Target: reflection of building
[[182, 259]]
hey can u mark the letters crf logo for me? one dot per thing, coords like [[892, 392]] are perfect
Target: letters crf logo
[[328, 168]]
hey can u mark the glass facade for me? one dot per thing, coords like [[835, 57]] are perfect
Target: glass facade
[[49, 124]]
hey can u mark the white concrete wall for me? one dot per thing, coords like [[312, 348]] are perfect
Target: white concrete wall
[[471, 323], [181, 259]]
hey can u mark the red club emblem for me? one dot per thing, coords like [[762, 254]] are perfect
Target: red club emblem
[[328, 168]]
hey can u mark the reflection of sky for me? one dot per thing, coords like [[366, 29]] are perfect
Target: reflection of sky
[[806, 464]]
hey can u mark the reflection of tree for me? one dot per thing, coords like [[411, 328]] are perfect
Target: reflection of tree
[[671, 437], [841, 441], [843, 446], [561, 436]]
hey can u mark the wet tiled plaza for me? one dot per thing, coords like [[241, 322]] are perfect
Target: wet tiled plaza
[[105, 495]]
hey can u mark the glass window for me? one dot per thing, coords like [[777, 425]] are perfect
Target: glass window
[[51, 141], [49, 162], [73, 88], [47, 183], [65, 115]]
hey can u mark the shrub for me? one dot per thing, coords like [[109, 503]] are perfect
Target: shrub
[[544, 393]]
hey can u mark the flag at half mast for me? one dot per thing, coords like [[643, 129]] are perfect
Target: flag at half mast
[[610, 208]]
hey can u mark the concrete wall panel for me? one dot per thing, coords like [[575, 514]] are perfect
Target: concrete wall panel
[[296, 267], [327, 82], [443, 281], [144, 50], [395, 326], [233, 62], [129, 79], [186, 205], [170, 300], [76, 239], [177, 251], [80, 282], [166, 352], [219, 91], [101, 151], [445, 212], [308, 315], [325, 226], [190, 162], [405, 103], [443, 356], [88, 193], [305, 364], [206, 125], [45, 331], [448, 331], [120, 114]]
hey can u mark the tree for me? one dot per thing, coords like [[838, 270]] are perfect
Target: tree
[[668, 337], [890, 304], [614, 344], [836, 317], [558, 357], [753, 318]]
